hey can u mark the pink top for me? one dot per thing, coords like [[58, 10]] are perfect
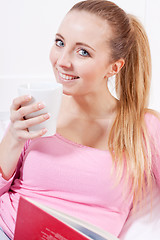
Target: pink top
[[72, 178]]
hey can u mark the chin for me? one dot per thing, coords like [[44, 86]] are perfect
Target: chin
[[68, 93]]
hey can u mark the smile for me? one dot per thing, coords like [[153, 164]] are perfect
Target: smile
[[66, 77]]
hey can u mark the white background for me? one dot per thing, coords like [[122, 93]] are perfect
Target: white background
[[27, 29]]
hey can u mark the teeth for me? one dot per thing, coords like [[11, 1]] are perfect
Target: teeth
[[66, 77]]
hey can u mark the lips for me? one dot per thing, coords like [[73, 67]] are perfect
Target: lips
[[67, 77]]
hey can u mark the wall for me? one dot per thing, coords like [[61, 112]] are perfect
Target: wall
[[27, 34], [153, 30]]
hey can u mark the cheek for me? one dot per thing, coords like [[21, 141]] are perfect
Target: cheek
[[85, 68], [90, 71], [52, 56]]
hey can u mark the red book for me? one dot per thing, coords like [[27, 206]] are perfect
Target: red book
[[38, 222]]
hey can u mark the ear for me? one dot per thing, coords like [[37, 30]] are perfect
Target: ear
[[115, 67]]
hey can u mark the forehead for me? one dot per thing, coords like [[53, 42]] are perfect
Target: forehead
[[84, 26]]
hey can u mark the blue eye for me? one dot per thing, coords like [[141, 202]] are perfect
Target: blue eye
[[83, 53], [59, 43]]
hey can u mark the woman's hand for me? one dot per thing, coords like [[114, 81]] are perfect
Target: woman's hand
[[17, 133], [19, 125]]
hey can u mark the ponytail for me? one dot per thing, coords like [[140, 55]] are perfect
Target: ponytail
[[128, 134], [135, 77]]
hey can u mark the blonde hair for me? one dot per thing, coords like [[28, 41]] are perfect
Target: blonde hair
[[128, 136]]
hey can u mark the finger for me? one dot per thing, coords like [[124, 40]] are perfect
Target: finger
[[24, 124], [25, 135], [17, 102], [25, 110]]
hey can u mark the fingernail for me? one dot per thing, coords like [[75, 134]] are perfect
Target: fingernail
[[41, 105], [46, 116], [28, 98], [44, 130]]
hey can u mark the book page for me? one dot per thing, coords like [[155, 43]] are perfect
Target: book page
[[84, 227]]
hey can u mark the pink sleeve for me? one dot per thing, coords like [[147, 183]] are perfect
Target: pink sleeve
[[153, 125], [4, 184]]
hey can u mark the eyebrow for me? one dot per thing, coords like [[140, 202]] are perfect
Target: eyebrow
[[78, 43]]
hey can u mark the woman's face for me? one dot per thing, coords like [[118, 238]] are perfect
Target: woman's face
[[80, 55]]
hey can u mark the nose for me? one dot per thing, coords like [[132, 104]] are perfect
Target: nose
[[64, 59]]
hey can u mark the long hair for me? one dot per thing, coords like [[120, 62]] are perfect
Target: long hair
[[128, 136]]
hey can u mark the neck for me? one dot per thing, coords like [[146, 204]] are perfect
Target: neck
[[91, 106]]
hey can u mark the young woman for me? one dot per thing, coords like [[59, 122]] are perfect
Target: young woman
[[105, 153]]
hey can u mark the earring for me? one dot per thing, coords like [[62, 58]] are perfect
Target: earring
[[111, 84]]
